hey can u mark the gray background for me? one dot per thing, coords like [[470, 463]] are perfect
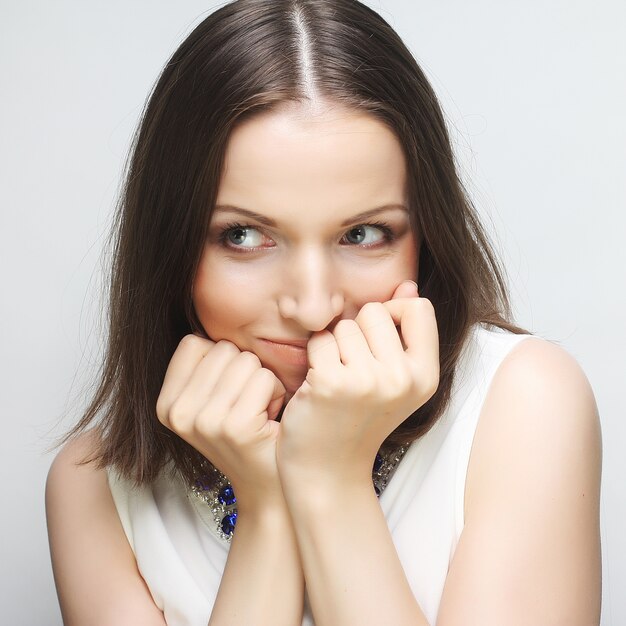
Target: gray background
[[535, 95]]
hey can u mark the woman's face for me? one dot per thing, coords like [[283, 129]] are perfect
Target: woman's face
[[310, 223]]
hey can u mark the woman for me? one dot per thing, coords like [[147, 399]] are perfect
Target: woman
[[289, 429]]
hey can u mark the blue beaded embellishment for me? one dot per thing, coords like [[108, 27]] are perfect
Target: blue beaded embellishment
[[228, 523], [227, 495], [214, 489], [219, 494]]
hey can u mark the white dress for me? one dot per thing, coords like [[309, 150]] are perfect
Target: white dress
[[181, 557]]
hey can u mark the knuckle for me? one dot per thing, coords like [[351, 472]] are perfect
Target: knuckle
[[425, 305], [227, 347], [400, 381], [230, 431], [178, 417], [161, 409], [250, 359], [207, 425], [190, 341], [432, 384], [369, 309], [428, 381], [266, 376], [372, 307], [345, 326], [324, 383]]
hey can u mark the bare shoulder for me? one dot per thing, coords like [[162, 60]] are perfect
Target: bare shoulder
[[94, 567], [540, 396], [70, 480], [69, 458], [543, 366], [540, 419], [530, 548]]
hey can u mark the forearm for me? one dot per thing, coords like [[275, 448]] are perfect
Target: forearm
[[352, 570], [262, 581]]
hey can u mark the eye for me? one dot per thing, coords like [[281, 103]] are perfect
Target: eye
[[243, 237], [247, 237], [367, 234]]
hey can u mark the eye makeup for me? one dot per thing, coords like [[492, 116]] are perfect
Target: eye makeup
[[232, 235]]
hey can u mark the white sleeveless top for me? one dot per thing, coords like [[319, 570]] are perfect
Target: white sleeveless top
[[181, 557]]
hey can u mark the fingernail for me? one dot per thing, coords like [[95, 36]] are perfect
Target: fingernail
[[413, 283]]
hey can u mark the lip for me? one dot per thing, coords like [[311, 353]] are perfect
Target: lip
[[288, 351], [298, 343]]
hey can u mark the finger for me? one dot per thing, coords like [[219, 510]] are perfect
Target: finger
[[406, 289], [189, 352], [207, 374], [322, 350], [380, 332], [418, 325], [352, 345], [232, 381], [178, 407], [263, 392]]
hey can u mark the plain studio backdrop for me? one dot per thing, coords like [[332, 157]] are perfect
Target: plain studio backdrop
[[535, 96]]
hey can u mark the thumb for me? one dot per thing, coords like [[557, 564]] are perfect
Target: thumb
[[406, 289]]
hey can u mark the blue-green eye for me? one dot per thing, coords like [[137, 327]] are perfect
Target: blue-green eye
[[242, 237], [365, 234]]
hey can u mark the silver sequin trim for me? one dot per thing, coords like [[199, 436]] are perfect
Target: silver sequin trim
[[210, 497]]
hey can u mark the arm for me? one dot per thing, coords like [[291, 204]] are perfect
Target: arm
[[530, 550], [362, 383], [352, 571], [262, 581], [223, 403], [95, 572]]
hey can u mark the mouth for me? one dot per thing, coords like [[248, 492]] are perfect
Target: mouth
[[292, 351], [299, 343]]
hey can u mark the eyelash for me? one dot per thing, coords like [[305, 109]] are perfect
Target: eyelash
[[387, 232], [222, 237]]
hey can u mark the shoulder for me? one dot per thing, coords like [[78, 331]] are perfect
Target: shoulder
[[540, 389], [73, 478], [94, 567], [539, 416], [71, 475], [71, 456], [531, 497], [537, 361]]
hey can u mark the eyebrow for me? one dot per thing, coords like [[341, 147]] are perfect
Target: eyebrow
[[263, 219]]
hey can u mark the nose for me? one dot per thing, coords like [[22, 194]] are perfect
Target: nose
[[311, 295]]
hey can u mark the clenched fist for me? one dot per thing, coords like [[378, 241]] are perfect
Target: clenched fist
[[224, 403]]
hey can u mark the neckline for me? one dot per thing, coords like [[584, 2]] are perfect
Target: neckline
[[214, 499]]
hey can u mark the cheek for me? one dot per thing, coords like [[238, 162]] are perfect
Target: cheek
[[376, 283], [227, 296]]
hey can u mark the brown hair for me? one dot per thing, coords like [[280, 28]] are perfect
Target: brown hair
[[247, 57]]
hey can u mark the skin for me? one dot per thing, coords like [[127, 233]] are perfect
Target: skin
[[305, 275], [328, 266], [303, 269], [529, 552]]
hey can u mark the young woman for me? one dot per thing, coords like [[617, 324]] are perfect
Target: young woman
[[287, 429]]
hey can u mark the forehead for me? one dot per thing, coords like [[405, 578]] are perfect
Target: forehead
[[334, 159]]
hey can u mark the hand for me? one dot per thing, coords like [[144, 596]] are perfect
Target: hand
[[224, 403], [365, 379]]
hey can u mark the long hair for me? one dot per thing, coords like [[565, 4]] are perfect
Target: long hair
[[248, 57]]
